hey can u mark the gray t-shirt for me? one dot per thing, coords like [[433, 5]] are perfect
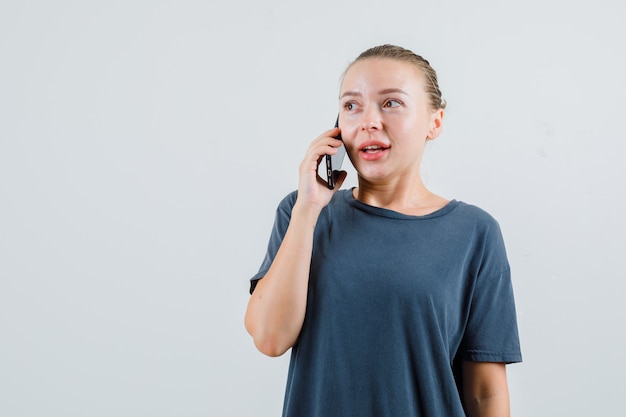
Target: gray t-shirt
[[395, 303]]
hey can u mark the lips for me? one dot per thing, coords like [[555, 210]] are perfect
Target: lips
[[373, 150]]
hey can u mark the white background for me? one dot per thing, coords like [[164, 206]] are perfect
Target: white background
[[144, 146]]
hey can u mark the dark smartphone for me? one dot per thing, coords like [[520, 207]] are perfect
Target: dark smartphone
[[333, 162]]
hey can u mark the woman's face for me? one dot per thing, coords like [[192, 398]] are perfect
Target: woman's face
[[385, 118]]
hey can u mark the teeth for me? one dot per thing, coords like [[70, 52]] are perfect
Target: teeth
[[372, 148]]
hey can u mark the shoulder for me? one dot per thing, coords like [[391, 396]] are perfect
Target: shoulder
[[475, 212], [475, 216], [488, 239], [480, 227], [286, 204]]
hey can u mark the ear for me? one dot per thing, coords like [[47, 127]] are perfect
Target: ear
[[436, 124]]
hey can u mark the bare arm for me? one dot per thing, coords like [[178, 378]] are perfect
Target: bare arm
[[276, 309], [485, 389]]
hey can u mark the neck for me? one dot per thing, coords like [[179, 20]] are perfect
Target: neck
[[408, 196]]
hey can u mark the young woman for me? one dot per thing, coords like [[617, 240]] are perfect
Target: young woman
[[394, 301]]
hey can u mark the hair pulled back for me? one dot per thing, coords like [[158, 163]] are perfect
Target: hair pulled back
[[404, 55]]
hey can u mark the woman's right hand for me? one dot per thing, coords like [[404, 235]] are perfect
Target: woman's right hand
[[313, 191]]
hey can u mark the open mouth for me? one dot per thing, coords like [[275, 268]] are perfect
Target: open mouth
[[372, 149]]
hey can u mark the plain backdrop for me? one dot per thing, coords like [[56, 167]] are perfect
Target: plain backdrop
[[144, 146]]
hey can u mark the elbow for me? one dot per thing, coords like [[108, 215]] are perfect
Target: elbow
[[267, 342], [270, 344], [270, 347]]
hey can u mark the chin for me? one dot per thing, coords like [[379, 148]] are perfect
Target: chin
[[374, 177]]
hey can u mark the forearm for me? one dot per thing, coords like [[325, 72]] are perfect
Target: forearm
[[277, 306]]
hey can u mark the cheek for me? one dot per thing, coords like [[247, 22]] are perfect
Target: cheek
[[349, 132], [417, 126], [350, 142]]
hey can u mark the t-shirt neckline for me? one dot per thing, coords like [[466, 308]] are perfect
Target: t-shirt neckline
[[383, 212]]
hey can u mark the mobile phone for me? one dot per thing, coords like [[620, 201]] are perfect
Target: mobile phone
[[333, 162]]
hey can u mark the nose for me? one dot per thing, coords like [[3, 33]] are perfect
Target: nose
[[371, 119]]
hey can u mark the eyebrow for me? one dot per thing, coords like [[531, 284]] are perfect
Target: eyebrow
[[381, 92]]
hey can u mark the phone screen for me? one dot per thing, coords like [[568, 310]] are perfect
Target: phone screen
[[333, 162]]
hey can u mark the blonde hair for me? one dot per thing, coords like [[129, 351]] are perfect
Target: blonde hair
[[404, 55]]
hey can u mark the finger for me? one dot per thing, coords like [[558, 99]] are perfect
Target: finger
[[330, 133], [328, 137], [317, 152], [334, 145]]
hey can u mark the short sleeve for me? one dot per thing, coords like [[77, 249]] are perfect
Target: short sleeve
[[491, 334], [281, 222]]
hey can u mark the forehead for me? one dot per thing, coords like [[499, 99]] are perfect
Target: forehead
[[381, 73]]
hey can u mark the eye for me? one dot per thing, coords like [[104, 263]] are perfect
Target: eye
[[350, 105], [392, 103]]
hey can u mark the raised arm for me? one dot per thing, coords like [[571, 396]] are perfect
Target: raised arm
[[277, 306]]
